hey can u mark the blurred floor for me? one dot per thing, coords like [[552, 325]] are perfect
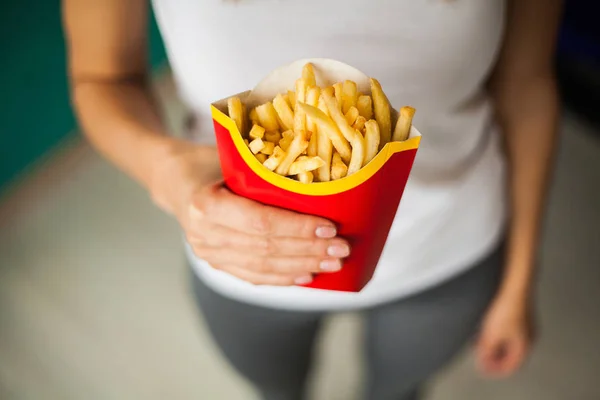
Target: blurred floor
[[94, 300]]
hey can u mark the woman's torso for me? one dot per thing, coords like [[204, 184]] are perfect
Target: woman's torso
[[433, 54]]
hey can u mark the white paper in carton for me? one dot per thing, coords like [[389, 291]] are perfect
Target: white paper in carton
[[327, 72]]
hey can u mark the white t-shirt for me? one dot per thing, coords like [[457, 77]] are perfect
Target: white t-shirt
[[433, 54]]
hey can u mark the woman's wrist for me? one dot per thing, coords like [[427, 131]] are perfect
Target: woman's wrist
[[180, 169]]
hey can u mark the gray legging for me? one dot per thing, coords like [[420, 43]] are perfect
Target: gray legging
[[406, 341]]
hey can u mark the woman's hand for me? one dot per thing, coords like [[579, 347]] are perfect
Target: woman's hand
[[506, 337], [256, 243]]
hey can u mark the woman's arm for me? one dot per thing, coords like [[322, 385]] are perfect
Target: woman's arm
[[107, 50], [107, 64], [257, 243], [524, 89]]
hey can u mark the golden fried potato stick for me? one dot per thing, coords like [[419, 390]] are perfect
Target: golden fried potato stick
[[254, 117], [268, 148], [261, 157], [256, 145], [299, 116], [288, 133], [301, 88], [359, 124], [338, 168], [364, 104], [402, 130], [286, 97], [321, 104], [328, 127], [329, 90], [338, 89], [305, 164], [273, 162], [352, 115], [372, 138], [284, 111], [297, 147], [358, 154], [236, 113], [292, 99], [308, 74], [312, 99], [268, 117], [305, 177], [257, 132], [246, 120], [324, 146], [381, 107], [336, 115], [349, 95], [273, 137], [285, 142]]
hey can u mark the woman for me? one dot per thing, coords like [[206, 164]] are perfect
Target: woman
[[462, 252]]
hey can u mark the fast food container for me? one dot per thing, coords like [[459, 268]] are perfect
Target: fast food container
[[363, 205]]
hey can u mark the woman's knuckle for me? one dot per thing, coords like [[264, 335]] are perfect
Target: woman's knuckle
[[307, 227], [262, 222], [271, 246], [263, 245]]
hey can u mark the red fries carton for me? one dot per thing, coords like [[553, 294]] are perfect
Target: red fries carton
[[363, 205]]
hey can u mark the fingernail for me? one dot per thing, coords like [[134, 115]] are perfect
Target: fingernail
[[330, 265], [338, 250], [303, 280], [326, 232]]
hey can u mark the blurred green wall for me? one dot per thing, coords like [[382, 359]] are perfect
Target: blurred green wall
[[34, 106]]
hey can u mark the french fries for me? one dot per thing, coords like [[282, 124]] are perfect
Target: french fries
[[358, 154], [372, 138], [330, 90], [236, 113], [257, 132], [382, 112], [336, 115], [349, 95], [267, 148], [296, 148], [267, 116], [338, 89], [320, 134], [275, 159], [328, 127], [364, 104], [306, 177], [404, 123], [308, 74], [338, 167], [305, 164], [253, 117], [351, 115], [273, 137], [256, 145], [292, 99], [312, 99], [359, 124], [284, 111]]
